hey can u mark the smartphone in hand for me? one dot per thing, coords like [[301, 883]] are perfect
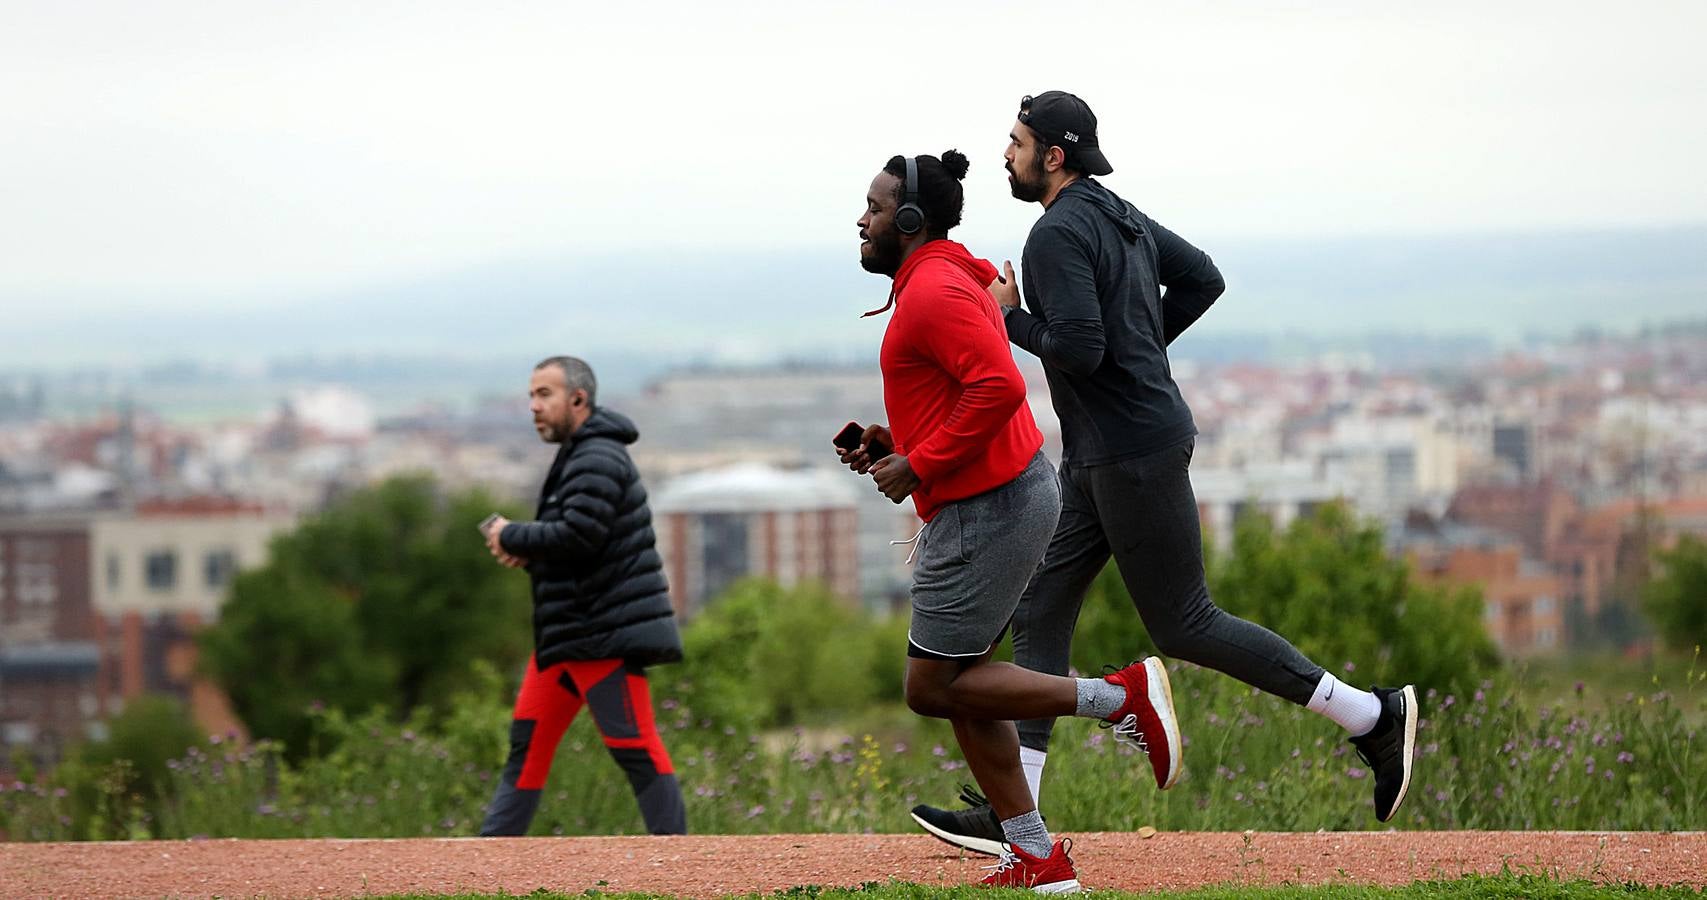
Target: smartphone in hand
[[486, 524], [849, 439]]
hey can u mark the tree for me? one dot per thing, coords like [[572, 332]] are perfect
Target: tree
[[1327, 584], [387, 598], [1677, 598], [762, 655], [151, 730]]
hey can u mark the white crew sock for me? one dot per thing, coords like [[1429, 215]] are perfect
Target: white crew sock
[[1033, 760], [1356, 711]]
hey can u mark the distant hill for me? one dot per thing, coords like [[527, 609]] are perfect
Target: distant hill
[[748, 306]]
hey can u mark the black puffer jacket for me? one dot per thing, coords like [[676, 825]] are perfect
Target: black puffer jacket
[[598, 582]]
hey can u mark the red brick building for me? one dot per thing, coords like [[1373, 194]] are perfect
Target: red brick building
[[49, 651], [1522, 605], [98, 608]]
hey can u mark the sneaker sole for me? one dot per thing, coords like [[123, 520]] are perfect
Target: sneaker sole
[[1059, 887], [1410, 694], [976, 845], [1162, 701]]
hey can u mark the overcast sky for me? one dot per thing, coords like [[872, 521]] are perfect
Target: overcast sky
[[179, 151]]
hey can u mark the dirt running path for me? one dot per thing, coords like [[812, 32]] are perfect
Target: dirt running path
[[711, 866]]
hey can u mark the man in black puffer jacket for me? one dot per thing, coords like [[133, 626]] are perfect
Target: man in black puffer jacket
[[601, 609]]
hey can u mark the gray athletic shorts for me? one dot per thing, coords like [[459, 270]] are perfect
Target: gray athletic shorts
[[975, 558]]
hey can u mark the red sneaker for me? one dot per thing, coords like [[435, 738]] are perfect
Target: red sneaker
[[1147, 717], [1052, 874]]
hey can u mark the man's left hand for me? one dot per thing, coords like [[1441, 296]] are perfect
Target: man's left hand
[[895, 477], [1004, 288], [504, 557]]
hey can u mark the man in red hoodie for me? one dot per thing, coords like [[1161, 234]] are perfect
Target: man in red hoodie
[[969, 454]]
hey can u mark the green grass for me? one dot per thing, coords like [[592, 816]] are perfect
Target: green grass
[[1498, 759], [1601, 678], [1530, 887]]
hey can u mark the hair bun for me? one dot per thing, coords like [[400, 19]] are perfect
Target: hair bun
[[956, 164]]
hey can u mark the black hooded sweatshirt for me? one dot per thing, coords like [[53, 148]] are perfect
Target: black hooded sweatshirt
[[598, 582], [1094, 269]]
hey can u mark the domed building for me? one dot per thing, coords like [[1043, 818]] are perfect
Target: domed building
[[718, 526]]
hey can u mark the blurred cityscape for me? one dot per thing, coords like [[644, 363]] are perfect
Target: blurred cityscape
[[1544, 476]]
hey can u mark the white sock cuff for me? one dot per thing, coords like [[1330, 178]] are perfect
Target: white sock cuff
[[1355, 710], [1032, 762], [1325, 690]]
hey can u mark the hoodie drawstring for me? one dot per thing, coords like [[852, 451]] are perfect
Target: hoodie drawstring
[[876, 312]]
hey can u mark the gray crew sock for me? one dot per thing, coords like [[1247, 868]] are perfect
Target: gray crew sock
[[1027, 832], [1098, 699]]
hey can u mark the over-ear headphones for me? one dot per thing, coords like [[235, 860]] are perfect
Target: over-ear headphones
[[909, 219]]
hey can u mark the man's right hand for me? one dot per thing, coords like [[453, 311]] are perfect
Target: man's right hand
[[860, 460], [878, 433]]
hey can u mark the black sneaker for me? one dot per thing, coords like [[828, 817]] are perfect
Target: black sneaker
[[1390, 747], [975, 828]]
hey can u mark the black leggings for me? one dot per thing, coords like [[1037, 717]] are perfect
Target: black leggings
[[1142, 512]]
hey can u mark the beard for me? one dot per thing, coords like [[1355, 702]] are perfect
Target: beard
[[551, 432], [885, 255], [1031, 186]]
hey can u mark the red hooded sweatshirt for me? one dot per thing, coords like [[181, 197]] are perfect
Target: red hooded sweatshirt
[[955, 399]]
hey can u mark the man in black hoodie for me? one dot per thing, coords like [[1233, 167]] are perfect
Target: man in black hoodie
[[601, 609], [1097, 315]]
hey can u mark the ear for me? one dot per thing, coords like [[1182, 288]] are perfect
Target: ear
[[579, 398], [1054, 159]]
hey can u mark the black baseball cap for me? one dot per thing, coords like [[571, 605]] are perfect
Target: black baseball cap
[[1065, 121]]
